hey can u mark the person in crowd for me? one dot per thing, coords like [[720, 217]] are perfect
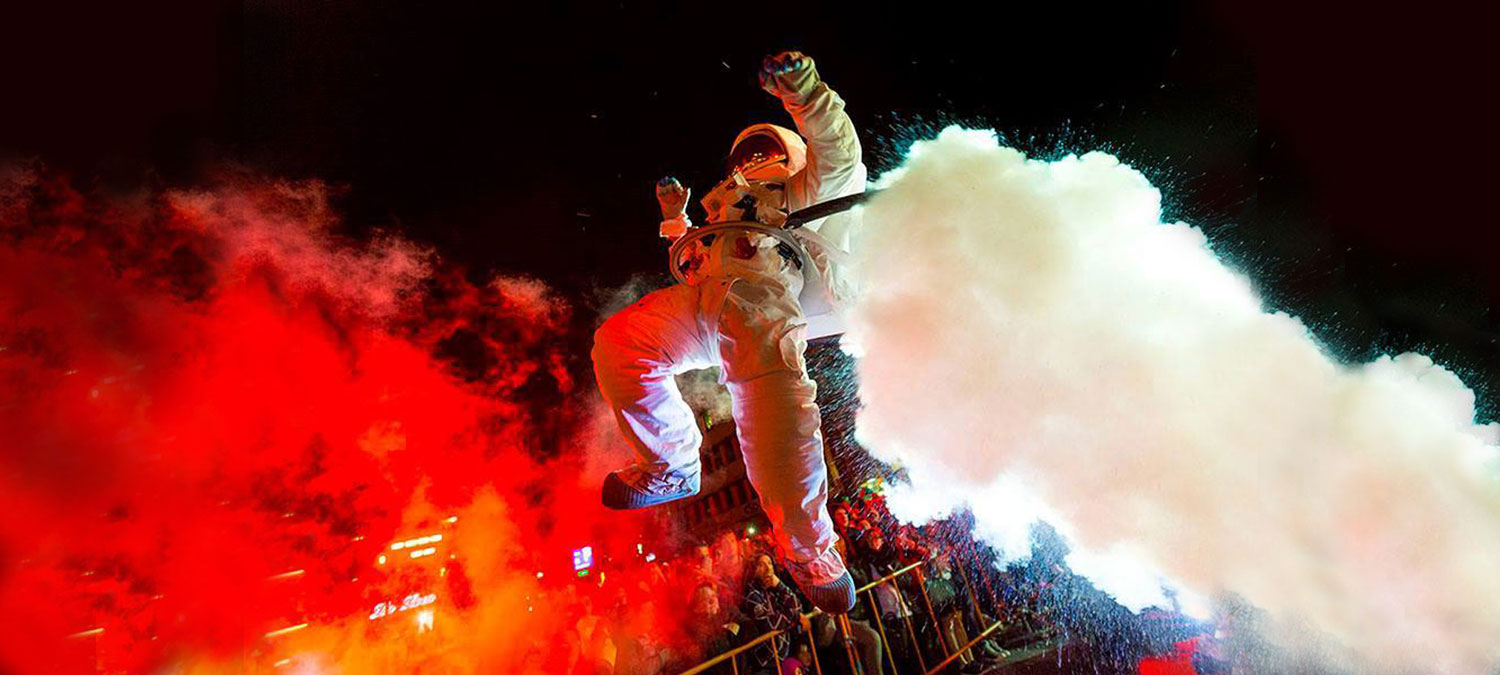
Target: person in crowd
[[699, 568], [711, 630], [831, 654], [878, 560], [873, 509], [703, 562], [910, 547], [862, 526], [867, 646], [590, 649], [842, 526], [639, 650], [944, 591], [800, 662], [841, 518], [729, 562], [770, 605]]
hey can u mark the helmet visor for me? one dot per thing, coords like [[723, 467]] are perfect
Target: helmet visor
[[755, 151]]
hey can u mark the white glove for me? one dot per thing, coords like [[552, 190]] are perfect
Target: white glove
[[672, 197], [789, 76]]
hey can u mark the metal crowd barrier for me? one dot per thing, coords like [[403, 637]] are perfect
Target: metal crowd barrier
[[950, 654]]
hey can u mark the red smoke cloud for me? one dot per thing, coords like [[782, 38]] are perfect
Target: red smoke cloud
[[218, 415]]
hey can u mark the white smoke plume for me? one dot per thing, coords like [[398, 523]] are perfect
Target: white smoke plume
[[1036, 343]]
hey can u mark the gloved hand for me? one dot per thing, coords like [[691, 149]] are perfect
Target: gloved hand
[[789, 76], [672, 197]]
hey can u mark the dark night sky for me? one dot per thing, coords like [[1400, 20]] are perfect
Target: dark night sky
[[1342, 160]]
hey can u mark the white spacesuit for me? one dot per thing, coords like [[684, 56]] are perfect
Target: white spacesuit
[[738, 308]]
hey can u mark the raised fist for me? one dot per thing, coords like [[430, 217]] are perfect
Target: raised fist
[[672, 197], [790, 76]]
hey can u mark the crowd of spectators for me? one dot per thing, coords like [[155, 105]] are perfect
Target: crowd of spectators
[[926, 612], [667, 617]]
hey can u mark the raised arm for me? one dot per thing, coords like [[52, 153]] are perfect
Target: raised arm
[[834, 166]]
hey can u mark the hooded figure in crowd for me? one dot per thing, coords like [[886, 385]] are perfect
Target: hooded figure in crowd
[[751, 295]]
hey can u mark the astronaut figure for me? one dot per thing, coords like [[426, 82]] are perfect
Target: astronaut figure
[[738, 308]]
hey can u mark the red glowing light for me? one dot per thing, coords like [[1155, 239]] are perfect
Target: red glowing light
[[204, 390]]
